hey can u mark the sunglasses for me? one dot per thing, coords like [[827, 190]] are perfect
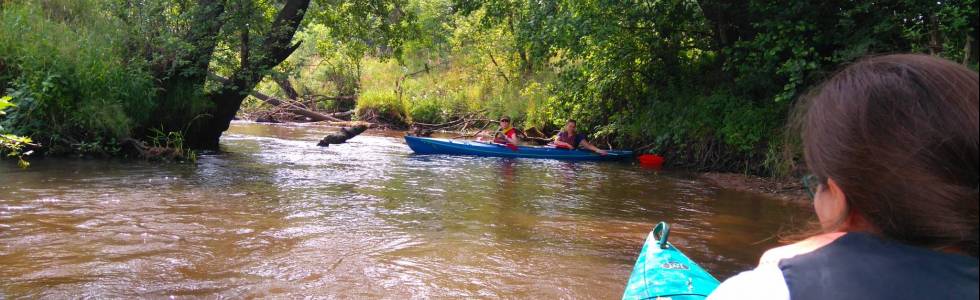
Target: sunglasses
[[812, 184]]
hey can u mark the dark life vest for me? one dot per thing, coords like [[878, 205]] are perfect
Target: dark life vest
[[863, 266], [573, 140]]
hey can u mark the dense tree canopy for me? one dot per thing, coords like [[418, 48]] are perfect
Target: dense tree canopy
[[708, 83]]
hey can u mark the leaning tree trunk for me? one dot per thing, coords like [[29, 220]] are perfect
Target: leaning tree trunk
[[185, 71], [205, 132]]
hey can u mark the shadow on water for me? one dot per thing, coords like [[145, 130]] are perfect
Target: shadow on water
[[276, 215]]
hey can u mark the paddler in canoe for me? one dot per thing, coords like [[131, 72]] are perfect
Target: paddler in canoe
[[507, 135], [569, 139]]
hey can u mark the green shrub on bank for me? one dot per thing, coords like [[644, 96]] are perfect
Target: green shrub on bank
[[381, 106], [68, 74], [692, 127], [451, 89], [427, 110]]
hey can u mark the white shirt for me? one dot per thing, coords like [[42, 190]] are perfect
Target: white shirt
[[765, 282]]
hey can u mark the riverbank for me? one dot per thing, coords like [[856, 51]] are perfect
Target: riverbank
[[788, 189]]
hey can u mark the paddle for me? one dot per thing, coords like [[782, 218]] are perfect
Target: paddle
[[510, 146]]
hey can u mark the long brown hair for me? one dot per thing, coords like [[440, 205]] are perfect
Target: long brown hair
[[899, 135]]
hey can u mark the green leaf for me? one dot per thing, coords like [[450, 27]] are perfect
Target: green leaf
[[5, 103]]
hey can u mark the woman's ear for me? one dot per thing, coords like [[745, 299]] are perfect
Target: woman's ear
[[831, 206], [836, 192], [845, 218]]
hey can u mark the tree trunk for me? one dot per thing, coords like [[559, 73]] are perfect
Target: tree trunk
[[342, 136], [526, 67], [227, 99], [969, 51], [286, 86], [187, 71], [500, 71], [935, 36], [729, 20]]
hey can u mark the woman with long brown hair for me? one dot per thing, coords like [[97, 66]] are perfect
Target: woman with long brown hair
[[892, 142]]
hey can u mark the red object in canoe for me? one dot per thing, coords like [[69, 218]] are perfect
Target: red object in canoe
[[651, 160]]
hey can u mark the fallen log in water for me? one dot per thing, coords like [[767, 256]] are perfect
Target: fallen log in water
[[341, 136], [347, 124], [341, 114]]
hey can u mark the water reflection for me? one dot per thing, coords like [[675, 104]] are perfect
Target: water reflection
[[277, 216]]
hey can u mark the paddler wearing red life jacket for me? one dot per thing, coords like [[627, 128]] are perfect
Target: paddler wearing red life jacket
[[569, 139], [507, 134]]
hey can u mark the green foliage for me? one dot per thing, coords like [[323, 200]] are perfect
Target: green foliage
[[708, 83], [451, 88], [427, 110], [88, 73], [461, 64], [68, 73], [174, 142], [381, 106], [97, 147], [376, 27], [328, 64], [4, 104], [11, 144], [801, 42], [320, 68]]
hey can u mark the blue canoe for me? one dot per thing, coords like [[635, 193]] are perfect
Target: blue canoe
[[662, 271], [422, 145]]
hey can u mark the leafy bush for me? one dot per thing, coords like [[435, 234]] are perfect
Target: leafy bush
[[380, 106], [426, 110], [12, 145], [68, 73]]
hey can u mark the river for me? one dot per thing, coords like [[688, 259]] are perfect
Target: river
[[277, 216]]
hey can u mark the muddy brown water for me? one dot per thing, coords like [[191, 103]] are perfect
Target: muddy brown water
[[277, 216]]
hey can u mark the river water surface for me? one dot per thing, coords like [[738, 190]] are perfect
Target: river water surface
[[277, 216]]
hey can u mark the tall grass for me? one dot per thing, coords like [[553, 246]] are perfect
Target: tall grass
[[451, 89], [64, 63]]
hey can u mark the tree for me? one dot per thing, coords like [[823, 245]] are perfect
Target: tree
[[242, 40], [183, 40], [274, 47]]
